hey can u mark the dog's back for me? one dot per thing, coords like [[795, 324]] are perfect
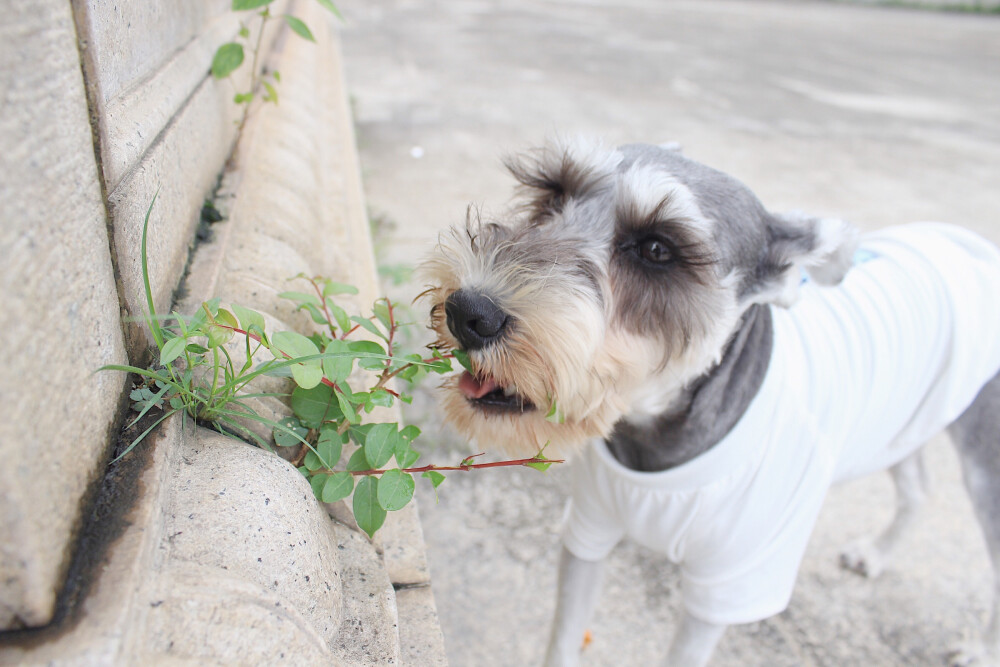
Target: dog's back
[[900, 348]]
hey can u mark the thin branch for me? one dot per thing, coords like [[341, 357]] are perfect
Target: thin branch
[[461, 467]]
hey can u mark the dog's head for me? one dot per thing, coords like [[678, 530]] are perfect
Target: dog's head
[[616, 280]]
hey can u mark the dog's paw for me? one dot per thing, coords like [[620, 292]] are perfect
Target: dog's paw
[[863, 557], [973, 654]]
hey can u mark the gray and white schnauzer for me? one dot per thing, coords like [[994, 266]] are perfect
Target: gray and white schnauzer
[[715, 367]]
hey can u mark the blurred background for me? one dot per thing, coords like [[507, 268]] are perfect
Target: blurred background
[[877, 114]]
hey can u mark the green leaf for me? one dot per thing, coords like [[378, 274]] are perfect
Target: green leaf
[[299, 27], [227, 59], [435, 477], [441, 366], [358, 398], [312, 461], [244, 33], [240, 5], [346, 408], [146, 400], [338, 368], [142, 435], [196, 349], [272, 94], [199, 321], [554, 414], [339, 314], [395, 489], [369, 325], [381, 311], [248, 318], [329, 445], [307, 376], [463, 358], [316, 405], [151, 318], [218, 335], [333, 8], [332, 287], [241, 98], [314, 312], [358, 462], [180, 322], [410, 374], [406, 456], [337, 486], [370, 354], [380, 398], [294, 344], [380, 444], [358, 433], [227, 318], [172, 349], [277, 75], [539, 465], [316, 482], [283, 438], [367, 511]]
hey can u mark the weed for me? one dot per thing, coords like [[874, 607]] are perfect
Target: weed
[[231, 55], [206, 362]]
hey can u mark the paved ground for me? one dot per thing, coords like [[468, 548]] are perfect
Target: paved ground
[[877, 115]]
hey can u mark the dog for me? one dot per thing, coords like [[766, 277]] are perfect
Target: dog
[[712, 368]]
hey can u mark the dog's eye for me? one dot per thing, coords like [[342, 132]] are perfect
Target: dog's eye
[[654, 250]]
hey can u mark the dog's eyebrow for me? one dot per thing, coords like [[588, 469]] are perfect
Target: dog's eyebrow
[[633, 221]]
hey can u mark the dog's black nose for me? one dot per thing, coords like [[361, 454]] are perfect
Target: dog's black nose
[[474, 319]]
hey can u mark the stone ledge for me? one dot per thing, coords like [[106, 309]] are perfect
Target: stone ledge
[[60, 315], [116, 598]]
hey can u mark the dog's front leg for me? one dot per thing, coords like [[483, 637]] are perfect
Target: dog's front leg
[[694, 642], [579, 587]]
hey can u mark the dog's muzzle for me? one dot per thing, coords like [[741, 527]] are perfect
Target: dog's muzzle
[[477, 322]]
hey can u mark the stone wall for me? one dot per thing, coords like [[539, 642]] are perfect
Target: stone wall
[[105, 106], [59, 314]]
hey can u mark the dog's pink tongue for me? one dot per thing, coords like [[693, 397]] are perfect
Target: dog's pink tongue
[[473, 388]]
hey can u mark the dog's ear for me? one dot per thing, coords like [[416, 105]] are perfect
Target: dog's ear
[[561, 169], [800, 244]]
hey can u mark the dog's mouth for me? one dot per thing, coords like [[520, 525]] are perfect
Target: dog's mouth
[[489, 395]]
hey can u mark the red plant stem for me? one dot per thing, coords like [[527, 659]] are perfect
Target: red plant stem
[[322, 301], [465, 467], [349, 332], [253, 336], [330, 383]]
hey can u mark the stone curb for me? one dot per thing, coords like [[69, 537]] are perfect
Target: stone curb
[[226, 557], [59, 315]]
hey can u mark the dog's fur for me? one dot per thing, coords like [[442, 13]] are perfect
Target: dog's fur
[[576, 332]]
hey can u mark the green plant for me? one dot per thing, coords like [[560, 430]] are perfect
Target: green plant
[[206, 362], [231, 55]]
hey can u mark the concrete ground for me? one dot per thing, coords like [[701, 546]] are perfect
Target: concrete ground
[[877, 115]]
